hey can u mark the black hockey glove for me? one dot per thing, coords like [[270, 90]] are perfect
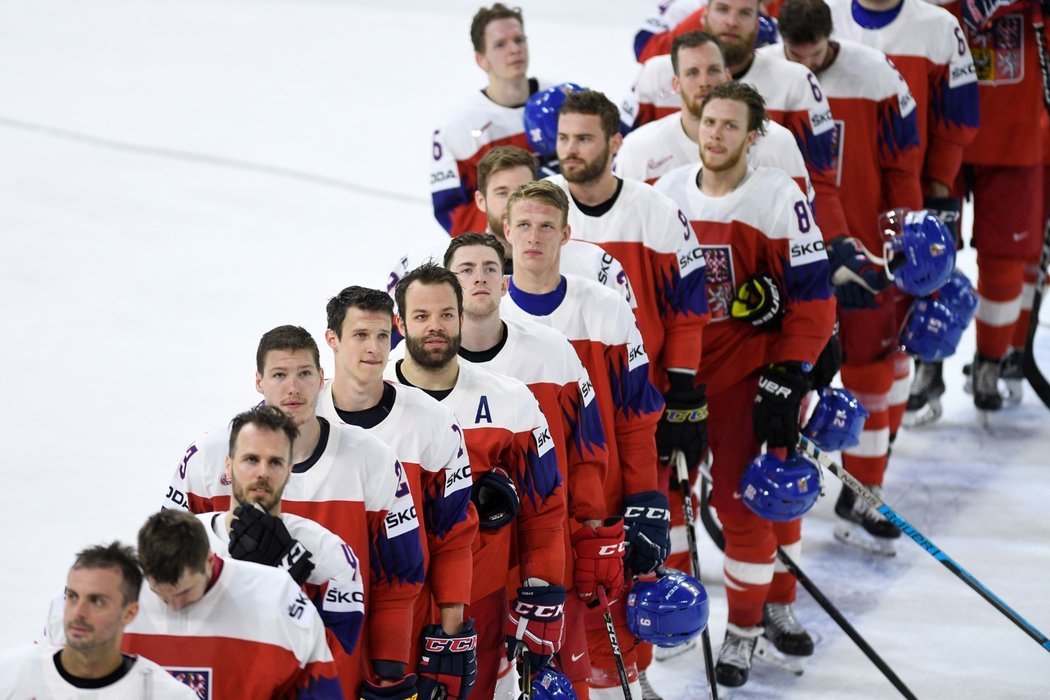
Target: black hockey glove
[[758, 302], [257, 536], [948, 210], [828, 363], [448, 666], [776, 410], [647, 530], [496, 498], [683, 425], [856, 277], [405, 689]]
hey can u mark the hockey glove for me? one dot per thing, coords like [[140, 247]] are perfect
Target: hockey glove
[[257, 536], [535, 620], [857, 277], [776, 410], [683, 425], [405, 689], [948, 210], [758, 302], [599, 558], [647, 529], [828, 363], [449, 662], [496, 498]]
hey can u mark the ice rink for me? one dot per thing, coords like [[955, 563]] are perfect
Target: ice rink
[[176, 178]]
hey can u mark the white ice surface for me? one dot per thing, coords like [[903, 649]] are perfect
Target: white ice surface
[[138, 269]]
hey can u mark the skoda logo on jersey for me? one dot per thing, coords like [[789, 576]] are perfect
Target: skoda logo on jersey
[[544, 443], [441, 177]]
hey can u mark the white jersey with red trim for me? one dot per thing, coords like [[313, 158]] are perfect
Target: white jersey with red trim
[[335, 584], [251, 617], [668, 15], [30, 672], [659, 147]]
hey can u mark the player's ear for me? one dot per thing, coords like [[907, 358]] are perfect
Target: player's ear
[[400, 324], [483, 63], [479, 201], [228, 469], [504, 285], [566, 234], [752, 136], [676, 85], [131, 611], [331, 339], [615, 142], [258, 382]]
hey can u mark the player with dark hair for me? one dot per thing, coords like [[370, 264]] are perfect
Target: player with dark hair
[[101, 599], [491, 117], [517, 488], [546, 362], [345, 480], [436, 463], [876, 170], [254, 529], [755, 223]]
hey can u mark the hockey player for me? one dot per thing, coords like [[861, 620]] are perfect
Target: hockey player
[[603, 331], [346, 480], [1005, 173], [651, 37], [491, 117], [501, 171], [435, 461], [208, 619], [929, 49], [754, 223], [254, 529], [517, 489], [670, 142], [546, 362], [101, 598], [876, 170], [792, 94]]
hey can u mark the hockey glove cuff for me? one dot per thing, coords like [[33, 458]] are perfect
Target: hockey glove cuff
[[758, 302], [599, 558], [448, 662], [776, 409], [647, 529]]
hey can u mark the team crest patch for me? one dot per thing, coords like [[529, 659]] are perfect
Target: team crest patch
[[998, 52], [720, 286], [197, 679]]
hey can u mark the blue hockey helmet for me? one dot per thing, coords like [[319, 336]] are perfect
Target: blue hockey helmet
[[541, 118], [931, 330], [767, 31], [667, 611], [959, 295], [919, 251], [548, 684], [778, 489], [837, 420]]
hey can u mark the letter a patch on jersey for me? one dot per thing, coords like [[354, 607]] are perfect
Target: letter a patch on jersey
[[484, 412], [721, 288]]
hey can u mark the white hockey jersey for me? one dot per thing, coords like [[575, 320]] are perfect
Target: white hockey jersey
[[659, 147], [335, 584], [29, 672]]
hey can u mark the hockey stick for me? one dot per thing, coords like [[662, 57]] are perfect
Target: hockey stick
[[844, 624], [525, 672], [614, 642], [1035, 377], [682, 470], [933, 550]]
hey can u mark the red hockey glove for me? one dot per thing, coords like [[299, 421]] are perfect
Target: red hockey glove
[[448, 662], [599, 558], [535, 620]]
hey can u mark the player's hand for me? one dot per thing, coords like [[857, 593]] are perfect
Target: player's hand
[[599, 558], [535, 620], [777, 404], [448, 661], [758, 302], [647, 529], [404, 689], [857, 278], [683, 425], [260, 537], [496, 499], [828, 363]]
